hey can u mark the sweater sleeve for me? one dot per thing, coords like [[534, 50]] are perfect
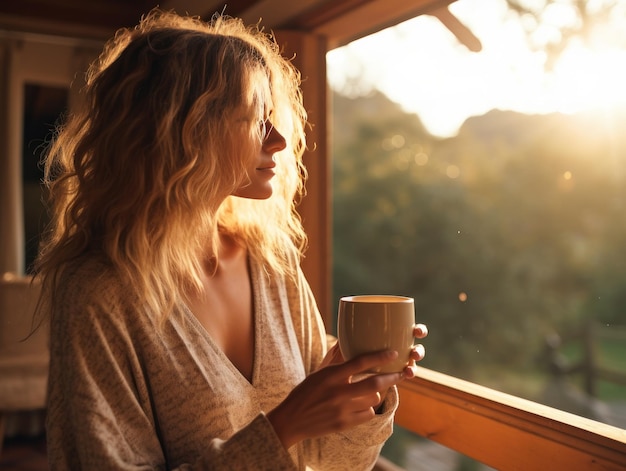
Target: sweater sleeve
[[100, 411], [359, 447]]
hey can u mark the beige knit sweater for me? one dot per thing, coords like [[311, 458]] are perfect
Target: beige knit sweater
[[123, 394]]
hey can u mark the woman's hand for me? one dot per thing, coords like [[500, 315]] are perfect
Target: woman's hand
[[333, 357], [418, 352], [327, 401]]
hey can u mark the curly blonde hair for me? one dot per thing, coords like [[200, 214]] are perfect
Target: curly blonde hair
[[143, 172]]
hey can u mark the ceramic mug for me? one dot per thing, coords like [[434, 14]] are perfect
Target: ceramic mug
[[371, 323]]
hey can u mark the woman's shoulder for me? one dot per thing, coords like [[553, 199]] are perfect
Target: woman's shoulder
[[87, 280], [90, 293]]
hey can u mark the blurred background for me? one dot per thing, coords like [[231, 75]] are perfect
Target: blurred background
[[491, 187]]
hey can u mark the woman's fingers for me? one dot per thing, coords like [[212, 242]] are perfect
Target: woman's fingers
[[373, 384], [418, 352], [420, 331], [329, 400], [410, 371], [361, 403], [340, 394], [364, 363]]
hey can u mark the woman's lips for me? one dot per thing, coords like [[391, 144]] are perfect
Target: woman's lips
[[269, 167]]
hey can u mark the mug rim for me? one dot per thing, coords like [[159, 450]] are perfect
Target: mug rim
[[376, 298]]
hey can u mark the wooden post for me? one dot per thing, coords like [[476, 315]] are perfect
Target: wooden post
[[309, 56], [11, 213]]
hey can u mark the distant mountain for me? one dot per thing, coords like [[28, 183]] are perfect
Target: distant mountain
[[510, 126], [589, 134], [499, 122], [372, 108]]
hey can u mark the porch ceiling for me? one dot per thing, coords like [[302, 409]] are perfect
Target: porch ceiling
[[341, 21]]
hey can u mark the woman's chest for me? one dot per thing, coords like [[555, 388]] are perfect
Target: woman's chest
[[225, 309], [197, 393]]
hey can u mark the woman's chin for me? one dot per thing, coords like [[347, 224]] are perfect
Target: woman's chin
[[255, 194]]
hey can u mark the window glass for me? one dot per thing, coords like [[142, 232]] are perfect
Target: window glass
[[490, 186]]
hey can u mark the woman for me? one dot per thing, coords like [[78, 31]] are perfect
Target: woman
[[183, 333]]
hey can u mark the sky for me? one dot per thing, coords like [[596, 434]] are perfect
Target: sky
[[423, 67]]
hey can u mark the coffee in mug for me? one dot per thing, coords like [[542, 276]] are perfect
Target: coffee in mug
[[371, 323]]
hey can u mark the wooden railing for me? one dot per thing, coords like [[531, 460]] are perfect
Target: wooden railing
[[506, 432]]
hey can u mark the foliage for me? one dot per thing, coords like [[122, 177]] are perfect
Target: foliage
[[503, 234], [552, 25]]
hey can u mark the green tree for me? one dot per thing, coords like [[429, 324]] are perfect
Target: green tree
[[502, 234]]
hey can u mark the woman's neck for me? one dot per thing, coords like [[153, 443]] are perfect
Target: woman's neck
[[229, 251]]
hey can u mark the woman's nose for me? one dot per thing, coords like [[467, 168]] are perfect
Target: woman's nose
[[274, 142]]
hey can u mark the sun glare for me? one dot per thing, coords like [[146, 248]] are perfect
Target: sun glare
[[422, 66], [585, 79]]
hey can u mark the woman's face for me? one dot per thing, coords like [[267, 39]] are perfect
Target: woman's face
[[261, 169]]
